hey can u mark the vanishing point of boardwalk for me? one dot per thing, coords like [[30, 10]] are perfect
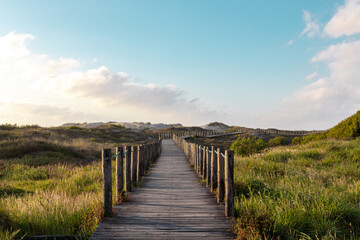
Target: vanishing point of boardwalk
[[171, 204]]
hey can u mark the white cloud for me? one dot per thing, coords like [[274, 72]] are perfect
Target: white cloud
[[24, 113], [102, 86], [324, 102], [312, 27], [346, 21], [311, 76], [116, 95]]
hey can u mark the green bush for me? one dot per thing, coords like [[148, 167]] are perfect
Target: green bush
[[278, 141], [296, 140], [8, 126], [245, 146], [312, 137], [74, 127], [346, 129]]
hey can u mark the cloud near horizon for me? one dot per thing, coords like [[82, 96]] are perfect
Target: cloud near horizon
[[25, 113], [61, 78]]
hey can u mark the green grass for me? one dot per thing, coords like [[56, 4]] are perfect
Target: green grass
[[308, 191], [51, 180]]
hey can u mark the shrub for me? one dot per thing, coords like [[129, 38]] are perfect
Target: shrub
[[278, 141], [245, 146], [312, 137], [74, 127], [8, 126], [117, 126], [296, 140], [346, 129]]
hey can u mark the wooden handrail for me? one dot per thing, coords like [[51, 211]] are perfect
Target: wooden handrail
[[137, 161], [211, 166]]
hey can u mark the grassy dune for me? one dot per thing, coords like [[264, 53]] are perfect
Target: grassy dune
[[309, 191], [50, 179]]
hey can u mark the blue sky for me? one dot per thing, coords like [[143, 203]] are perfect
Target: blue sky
[[240, 62]]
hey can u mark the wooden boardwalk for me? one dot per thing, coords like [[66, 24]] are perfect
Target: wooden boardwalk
[[171, 204]]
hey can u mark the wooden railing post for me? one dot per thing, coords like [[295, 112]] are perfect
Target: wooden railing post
[[204, 163], [208, 166], [201, 156], [106, 164], [127, 169], [220, 174], [138, 169], [143, 160], [196, 158], [119, 172], [213, 179], [147, 154], [229, 183], [133, 165]]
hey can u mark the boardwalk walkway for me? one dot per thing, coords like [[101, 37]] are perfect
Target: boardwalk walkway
[[171, 204]]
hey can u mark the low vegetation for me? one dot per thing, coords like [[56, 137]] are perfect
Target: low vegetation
[[278, 141], [50, 179], [245, 146], [346, 129], [308, 191]]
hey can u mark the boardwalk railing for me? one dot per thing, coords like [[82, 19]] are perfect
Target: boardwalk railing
[[205, 133], [215, 166], [234, 131], [132, 163]]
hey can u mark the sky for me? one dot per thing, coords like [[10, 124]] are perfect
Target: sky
[[262, 64]]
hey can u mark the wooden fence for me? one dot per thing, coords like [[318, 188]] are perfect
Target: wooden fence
[[215, 166], [132, 163], [169, 135], [207, 133]]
